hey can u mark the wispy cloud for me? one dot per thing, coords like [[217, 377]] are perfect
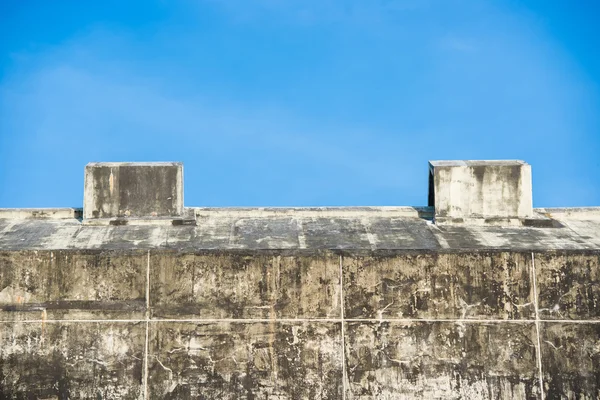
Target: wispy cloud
[[459, 44]]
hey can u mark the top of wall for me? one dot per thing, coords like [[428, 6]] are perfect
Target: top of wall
[[473, 205], [474, 163], [300, 229]]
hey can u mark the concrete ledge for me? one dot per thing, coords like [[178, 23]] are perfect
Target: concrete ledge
[[538, 220], [575, 213], [41, 213], [186, 218], [317, 212], [139, 221], [191, 213]]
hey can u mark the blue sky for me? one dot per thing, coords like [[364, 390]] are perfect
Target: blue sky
[[298, 102]]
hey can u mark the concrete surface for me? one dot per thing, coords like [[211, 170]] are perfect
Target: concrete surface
[[133, 190], [297, 229], [216, 325], [298, 303], [465, 190], [324, 303]]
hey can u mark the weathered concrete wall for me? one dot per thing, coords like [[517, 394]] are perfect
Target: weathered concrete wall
[[135, 324]]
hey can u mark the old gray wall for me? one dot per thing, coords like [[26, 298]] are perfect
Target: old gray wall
[[136, 324]]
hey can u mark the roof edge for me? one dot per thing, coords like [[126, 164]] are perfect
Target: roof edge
[[327, 212]]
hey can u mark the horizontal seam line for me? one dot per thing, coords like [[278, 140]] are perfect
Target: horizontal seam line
[[248, 320]]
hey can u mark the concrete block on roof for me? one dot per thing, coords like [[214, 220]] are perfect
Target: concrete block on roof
[[480, 190], [133, 190]]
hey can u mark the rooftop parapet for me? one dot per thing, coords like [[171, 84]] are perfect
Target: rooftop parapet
[[474, 191], [119, 192], [484, 192]]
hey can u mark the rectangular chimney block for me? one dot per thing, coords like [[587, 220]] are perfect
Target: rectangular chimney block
[[133, 190], [471, 190]]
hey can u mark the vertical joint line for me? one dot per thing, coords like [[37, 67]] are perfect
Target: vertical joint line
[[537, 325], [344, 377], [147, 326], [148, 287]]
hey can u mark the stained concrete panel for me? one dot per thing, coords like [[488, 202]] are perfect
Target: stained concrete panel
[[400, 233], [358, 234], [133, 190], [239, 286], [72, 285], [441, 360], [278, 233], [69, 360], [568, 285], [571, 360], [255, 360], [335, 233], [444, 286], [209, 233], [479, 189], [587, 230]]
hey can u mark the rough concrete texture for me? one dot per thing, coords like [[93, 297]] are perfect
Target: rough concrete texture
[[368, 229], [571, 355], [441, 360], [373, 303], [569, 286], [440, 286], [245, 360], [133, 190], [462, 190], [70, 360], [72, 285], [244, 286]]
